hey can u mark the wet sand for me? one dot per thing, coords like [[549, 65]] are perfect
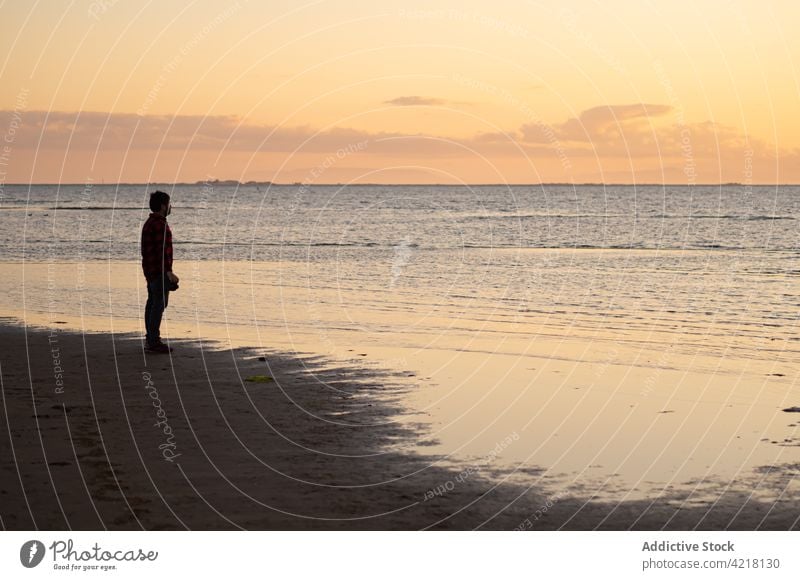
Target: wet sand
[[98, 435]]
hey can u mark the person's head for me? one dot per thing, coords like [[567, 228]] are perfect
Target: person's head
[[159, 203]]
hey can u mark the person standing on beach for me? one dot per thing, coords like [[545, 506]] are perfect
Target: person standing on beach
[[157, 266]]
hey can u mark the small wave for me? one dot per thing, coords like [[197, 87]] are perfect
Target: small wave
[[769, 217], [632, 246], [92, 208], [638, 246], [722, 217], [637, 215], [549, 216], [712, 246], [112, 208], [293, 244]]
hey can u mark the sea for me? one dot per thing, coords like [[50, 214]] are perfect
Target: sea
[[615, 340]]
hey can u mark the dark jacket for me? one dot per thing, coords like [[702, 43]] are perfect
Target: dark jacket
[[156, 247]]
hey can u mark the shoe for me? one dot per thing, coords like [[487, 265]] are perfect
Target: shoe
[[160, 348]]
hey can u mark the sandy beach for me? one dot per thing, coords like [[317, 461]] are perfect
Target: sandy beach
[[97, 435]]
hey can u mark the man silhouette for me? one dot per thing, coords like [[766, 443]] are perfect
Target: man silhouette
[[157, 267]]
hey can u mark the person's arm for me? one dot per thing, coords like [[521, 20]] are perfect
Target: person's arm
[[167, 245]]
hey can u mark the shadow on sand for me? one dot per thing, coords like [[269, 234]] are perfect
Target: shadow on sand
[[97, 435]]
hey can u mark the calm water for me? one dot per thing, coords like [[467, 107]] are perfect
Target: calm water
[[628, 338], [255, 223], [685, 255], [98, 222]]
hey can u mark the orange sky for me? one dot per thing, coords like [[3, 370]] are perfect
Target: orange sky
[[400, 92]]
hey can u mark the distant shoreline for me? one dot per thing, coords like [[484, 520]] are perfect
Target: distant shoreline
[[228, 183]]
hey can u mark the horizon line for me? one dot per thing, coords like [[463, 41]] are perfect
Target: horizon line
[[233, 182]]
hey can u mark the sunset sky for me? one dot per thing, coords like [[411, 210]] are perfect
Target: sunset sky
[[400, 92]]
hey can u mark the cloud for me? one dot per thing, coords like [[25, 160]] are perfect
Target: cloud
[[494, 137], [414, 100], [95, 131], [598, 124], [59, 130], [599, 127], [631, 139], [649, 139], [624, 143]]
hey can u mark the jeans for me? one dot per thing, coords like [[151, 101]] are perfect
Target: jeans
[[157, 300]]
